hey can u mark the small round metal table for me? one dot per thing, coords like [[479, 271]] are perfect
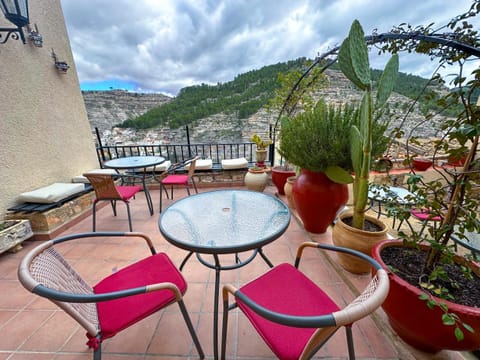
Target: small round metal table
[[224, 222], [137, 162]]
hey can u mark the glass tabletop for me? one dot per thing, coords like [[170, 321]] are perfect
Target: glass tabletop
[[390, 193], [224, 221], [133, 162], [469, 240]]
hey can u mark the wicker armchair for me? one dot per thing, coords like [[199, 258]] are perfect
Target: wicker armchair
[[293, 315], [108, 307]]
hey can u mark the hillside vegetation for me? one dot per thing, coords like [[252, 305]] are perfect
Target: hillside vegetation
[[247, 94]]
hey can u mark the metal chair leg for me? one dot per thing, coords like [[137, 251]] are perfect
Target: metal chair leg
[[351, 349], [94, 215], [188, 321], [129, 216]]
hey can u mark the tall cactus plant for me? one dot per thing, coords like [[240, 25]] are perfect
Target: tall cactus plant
[[354, 64]]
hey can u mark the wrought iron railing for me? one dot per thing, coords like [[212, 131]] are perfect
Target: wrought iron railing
[[181, 152]]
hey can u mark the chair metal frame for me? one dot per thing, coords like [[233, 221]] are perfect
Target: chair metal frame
[[46, 273], [163, 178], [106, 190], [368, 301]]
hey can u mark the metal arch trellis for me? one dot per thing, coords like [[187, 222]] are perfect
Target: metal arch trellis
[[446, 39]]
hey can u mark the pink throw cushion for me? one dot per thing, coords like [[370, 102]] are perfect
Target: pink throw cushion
[[128, 191], [116, 315], [424, 214], [286, 290], [175, 180]]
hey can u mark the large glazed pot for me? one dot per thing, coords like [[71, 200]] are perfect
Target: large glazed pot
[[318, 200], [361, 240], [420, 326], [279, 177], [256, 180]]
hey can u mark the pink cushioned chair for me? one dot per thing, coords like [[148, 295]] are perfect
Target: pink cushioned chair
[[424, 216], [169, 178], [108, 307], [106, 190], [293, 315]]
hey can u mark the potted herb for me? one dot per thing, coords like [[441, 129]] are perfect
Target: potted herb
[[315, 140]]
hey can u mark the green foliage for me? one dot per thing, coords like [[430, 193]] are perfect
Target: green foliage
[[243, 96], [316, 139], [262, 144]]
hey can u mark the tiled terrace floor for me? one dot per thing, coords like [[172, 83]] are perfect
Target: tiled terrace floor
[[33, 328]]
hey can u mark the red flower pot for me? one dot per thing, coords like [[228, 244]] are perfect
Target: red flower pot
[[279, 177], [422, 164], [418, 325], [318, 200]]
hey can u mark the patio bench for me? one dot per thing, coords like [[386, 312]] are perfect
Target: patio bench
[[49, 197], [52, 208]]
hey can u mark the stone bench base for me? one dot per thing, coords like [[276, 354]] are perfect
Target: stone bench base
[[48, 224]]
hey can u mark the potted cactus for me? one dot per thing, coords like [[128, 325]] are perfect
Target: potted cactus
[[350, 229]]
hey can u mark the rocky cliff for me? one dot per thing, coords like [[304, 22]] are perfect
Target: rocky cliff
[[107, 108]]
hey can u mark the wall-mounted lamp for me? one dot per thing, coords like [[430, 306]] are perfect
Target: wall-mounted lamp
[[61, 66], [34, 36], [15, 11]]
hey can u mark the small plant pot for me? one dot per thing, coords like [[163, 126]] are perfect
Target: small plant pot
[[422, 164]]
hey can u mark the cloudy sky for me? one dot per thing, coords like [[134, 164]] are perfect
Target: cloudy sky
[[164, 45]]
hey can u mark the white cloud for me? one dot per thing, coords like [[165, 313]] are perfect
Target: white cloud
[[166, 45]]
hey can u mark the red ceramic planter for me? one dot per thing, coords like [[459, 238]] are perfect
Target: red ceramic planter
[[420, 326], [318, 200], [279, 177], [422, 164]]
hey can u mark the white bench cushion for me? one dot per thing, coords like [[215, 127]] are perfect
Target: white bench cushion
[[160, 167], [201, 164], [83, 180], [240, 163], [51, 193]]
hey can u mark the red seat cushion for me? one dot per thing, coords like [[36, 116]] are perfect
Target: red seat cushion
[[175, 180], [116, 315], [286, 290], [424, 214], [128, 191]]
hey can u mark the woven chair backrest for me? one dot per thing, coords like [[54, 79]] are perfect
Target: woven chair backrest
[[104, 186], [51, 270], [191, 169], [367, 302]]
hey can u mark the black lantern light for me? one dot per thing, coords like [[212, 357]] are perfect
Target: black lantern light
[[15, 11]]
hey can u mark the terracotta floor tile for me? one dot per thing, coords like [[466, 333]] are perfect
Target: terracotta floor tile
[[37, 330]]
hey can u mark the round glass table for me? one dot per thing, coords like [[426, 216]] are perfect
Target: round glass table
[[224, 222]]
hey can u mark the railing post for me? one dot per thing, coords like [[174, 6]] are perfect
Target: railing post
[[271, 147]]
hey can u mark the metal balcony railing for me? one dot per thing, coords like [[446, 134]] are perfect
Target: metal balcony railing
[[180, 152]]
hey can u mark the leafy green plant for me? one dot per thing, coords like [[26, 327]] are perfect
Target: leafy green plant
[[262, 144], [316, 139]]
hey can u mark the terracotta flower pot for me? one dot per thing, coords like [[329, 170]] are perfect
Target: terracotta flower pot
[[288, 188], [318, 200], [360, 240], [418, 325]]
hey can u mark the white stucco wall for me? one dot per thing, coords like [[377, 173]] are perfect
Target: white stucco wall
[[45, 136]]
